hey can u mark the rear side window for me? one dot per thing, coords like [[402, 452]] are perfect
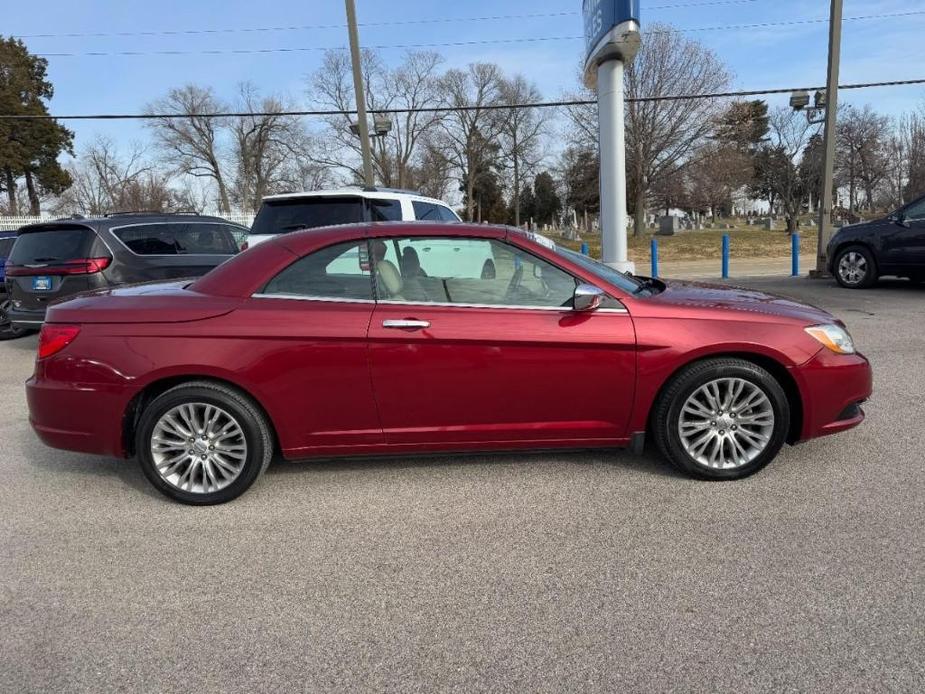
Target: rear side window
[[431, 212], [336, 272], [6, 246], [178, 239], [51, 245], [385, 210], [283, 216]]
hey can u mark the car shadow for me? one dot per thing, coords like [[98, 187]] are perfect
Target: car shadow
[[26, 343], [648, 463]]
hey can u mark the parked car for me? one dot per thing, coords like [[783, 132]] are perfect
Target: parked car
[[408, 338], [7, 331], [54, 260], [859, 254], [281, 214]]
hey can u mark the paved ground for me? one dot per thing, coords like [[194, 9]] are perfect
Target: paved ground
[[557, 572], [708, 269]]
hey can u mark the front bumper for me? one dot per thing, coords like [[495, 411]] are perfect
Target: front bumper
[[833, 386]]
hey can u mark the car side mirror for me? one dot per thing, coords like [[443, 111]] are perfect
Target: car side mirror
[[587, 297]]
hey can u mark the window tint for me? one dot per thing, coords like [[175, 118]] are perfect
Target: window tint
[[467, 271], [178, 239], [283, 216], [428, 211], [916, 210], [336, 272], [385, 210], [50, 245], [5, 246]]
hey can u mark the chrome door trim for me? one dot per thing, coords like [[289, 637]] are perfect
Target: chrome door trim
[[300, 297], [562, 309], [406, 324]]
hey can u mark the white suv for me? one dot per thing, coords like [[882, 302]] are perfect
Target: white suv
[[280, 214]]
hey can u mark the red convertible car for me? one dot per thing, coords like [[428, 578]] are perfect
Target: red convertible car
[[405, 339]]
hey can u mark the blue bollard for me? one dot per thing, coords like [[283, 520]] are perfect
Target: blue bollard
[[725, 256], [584, 248], [653, 246], [795, 255]]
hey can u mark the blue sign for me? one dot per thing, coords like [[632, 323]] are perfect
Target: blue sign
[[603, 15]]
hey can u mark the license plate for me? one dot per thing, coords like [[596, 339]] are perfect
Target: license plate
[[41, 284]]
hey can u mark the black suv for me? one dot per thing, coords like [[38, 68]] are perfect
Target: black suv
[[860, 253], [56, 260]]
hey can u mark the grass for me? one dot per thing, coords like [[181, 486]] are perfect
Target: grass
[[706, 244]]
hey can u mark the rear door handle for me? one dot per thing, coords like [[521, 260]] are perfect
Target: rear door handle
[[407, 324]]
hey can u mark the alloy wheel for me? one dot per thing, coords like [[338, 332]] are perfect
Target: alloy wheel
[[198, 447], [726, 423], [852, 267]]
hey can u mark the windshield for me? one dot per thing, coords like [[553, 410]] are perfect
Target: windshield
[[624, 281]]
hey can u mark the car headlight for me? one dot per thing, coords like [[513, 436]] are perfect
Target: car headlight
[[832, 336]]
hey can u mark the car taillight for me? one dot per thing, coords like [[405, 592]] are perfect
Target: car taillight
[[77, 266], [55, 337]]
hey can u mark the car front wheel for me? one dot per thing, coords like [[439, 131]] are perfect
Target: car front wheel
[[855, 268], [203, 443], [721, 419]]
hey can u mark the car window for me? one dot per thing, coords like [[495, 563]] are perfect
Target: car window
[[916, 210], [283, 216], [52, 244], [446, 214], [335, 272], [178, 239], [467, 271], [385, 210], [428, 211], [6, 245]]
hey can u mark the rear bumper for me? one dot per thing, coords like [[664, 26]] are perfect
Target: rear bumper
[[26, 319], [77, 417], [833, 386]]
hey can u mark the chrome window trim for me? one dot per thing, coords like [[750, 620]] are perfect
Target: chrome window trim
[[444, 304], [112, 230], [302, 297]]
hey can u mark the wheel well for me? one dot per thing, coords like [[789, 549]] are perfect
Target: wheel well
[[772, 366], [141, 400], [848, 244]]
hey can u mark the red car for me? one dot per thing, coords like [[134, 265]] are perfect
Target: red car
[[413, 338]]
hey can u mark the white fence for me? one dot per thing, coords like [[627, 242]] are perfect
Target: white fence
[[13, 223]]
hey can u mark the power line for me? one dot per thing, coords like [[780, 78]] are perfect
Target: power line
[[446, 109], [400, 22], [475, 42]]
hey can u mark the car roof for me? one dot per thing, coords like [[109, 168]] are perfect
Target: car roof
[[357, 192], [121, 219]]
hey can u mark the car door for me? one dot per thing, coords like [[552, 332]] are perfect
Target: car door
[[903, 240], [473, 341], [311, 321]]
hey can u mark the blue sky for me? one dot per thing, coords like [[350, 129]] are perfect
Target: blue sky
[[778, 56]]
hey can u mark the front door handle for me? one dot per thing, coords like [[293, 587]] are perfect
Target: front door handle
[[407, 324]]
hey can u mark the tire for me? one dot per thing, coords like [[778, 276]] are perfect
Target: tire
[[7, 330], [679, 408], [240, 439], [855, 268]]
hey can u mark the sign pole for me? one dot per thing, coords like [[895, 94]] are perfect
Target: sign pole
[[611, 42], [360, 92], [610, 104]]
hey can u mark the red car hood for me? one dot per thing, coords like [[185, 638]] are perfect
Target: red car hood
[[724, 297], [160, 302]]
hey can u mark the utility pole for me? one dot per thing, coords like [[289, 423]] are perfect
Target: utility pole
[[828, 138], [362, 123]]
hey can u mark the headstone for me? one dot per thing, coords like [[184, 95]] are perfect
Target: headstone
[[769, 224], [669, 225]]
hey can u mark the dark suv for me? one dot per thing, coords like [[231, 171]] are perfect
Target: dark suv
[[56, 260], [859, 254]]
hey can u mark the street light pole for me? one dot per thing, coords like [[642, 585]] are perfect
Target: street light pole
[[828, 138], [362, 123]]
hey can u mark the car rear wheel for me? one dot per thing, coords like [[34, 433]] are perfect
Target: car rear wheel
[[855, 268], [8, 331], [721, 419], [203, 443]]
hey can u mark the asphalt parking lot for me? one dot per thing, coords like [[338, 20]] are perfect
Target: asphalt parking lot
[[553, 572]]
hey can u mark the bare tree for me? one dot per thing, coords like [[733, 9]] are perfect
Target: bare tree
[[270, 150], [191, 144], [105, 180], [470, 132], [662, 134], [521, 130], [790, 134], [412, 86], [860, 153]]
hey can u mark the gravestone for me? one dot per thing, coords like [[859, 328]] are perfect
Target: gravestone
[[668, 226]]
